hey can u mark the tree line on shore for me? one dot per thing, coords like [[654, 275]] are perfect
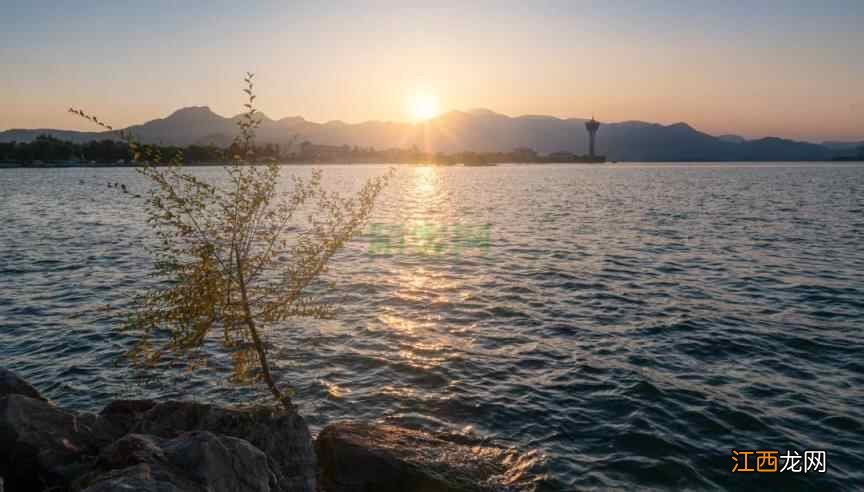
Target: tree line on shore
[[46, 149]]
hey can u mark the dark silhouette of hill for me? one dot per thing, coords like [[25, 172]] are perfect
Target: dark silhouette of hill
[[479, 130], [732, 138], [843, 146]]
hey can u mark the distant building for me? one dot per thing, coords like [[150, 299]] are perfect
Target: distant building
[[592, 126]]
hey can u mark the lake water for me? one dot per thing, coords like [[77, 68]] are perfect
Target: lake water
[[632, 323]]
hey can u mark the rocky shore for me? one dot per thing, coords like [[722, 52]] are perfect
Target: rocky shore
[[149, 446]]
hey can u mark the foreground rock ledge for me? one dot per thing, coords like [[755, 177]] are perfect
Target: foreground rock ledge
[[361, 457], [148, 446], [11, 384], [142, 445]]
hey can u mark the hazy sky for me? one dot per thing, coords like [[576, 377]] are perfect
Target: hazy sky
[[787, 68]]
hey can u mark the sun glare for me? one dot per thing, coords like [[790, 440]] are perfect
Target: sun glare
[[424, 106]]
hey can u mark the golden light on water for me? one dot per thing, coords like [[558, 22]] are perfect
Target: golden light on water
[[425, 178], [334, 390], [399, 324], [423, 233]]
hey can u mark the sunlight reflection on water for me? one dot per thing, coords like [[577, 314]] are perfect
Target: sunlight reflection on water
[[614, 319]]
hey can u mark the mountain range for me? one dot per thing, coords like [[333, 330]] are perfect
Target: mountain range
[[478, 130]]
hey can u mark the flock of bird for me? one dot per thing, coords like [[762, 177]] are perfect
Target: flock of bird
[[120, 186]]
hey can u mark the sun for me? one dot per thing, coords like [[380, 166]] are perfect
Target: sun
[[424, 106]]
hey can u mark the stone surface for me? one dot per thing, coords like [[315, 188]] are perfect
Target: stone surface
[[142, 445], [131, 450], [282, 436], [11, 384], [194, 462], [137, 478], [42, 445], [360, 457], [221, 463], [125, 414]]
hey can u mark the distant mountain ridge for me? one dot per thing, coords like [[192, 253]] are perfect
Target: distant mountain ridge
[[843, 146], [479, 130]]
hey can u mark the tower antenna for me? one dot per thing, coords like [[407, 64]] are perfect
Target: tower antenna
[[592, 126]]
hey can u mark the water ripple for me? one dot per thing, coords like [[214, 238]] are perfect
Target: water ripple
[[631, 323]]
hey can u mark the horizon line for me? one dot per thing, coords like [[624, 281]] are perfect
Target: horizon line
[[472, 111]]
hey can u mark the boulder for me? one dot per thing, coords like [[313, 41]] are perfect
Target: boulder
[[150, 446], [131, 450], [11, 384], [125, 414], [282, 435], [42, 445], [145, 446], [137, 478], [191, 462], [359, 457], [221, 463]]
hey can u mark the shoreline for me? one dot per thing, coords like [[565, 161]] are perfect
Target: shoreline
[[154, 446], [6, 165]]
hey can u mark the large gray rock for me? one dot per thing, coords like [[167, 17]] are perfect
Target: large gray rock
[[125, 414], [42, 445], [11, 384], [361, 457], [221, 463], [283, 436], [131, 450], [139, 478], [193, 462], [189, 446]]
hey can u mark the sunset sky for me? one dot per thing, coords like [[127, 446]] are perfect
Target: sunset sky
[[787, 68]]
